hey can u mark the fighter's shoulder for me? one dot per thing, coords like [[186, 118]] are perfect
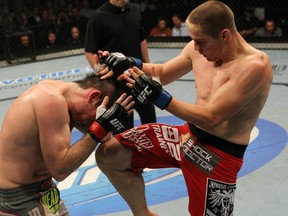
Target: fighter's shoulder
[[188, 48], [255, 59], [189, 45], [256, 64], [47, 91], [257, 55]]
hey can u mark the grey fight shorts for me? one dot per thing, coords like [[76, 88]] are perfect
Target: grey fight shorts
[[38, 199]]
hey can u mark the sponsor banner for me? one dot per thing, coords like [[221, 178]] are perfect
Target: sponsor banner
[[14, 87]]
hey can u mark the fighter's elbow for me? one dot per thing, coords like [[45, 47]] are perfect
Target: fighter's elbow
[[59, 177], [59, 174], [212, 122]]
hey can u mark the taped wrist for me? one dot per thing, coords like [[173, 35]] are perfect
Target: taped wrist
[[138, 63], [163, 100], [97, 131]]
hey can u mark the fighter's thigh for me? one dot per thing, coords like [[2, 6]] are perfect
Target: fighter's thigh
[[113, 153]]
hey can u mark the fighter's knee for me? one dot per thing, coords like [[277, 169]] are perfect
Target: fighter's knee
[[103, 157], [112, 156]]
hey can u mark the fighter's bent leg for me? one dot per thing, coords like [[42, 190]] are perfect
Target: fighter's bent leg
[[114, 159]]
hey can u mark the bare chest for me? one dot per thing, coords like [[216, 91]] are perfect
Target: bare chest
[[209, 80]]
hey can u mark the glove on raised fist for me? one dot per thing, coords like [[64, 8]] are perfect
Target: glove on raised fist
[[118, 63], [147, 90], [116, 117]]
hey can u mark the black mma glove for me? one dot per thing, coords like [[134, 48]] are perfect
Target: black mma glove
[[147, 90], [116, 117], [118, 63]]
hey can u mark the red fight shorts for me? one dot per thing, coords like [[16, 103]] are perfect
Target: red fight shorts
[[209, 164]]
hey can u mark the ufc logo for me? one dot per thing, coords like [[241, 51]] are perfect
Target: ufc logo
[[117, 124], [143, 95]]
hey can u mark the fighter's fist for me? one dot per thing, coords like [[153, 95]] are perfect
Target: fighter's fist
[[118, 63], [115, 117], [147, 90]]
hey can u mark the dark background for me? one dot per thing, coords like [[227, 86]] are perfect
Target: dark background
[[36, 18]]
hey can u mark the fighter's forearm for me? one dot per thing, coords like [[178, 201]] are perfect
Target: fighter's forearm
[[75, 155]]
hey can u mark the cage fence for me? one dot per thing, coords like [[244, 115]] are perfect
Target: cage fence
[[35, 30]]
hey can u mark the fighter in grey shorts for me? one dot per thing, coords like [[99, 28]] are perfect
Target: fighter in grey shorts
[[36, 199], [36, 145]]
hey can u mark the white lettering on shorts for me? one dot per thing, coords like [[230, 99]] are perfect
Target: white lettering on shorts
[[174, 150], [219, 198], [160, 139], [168, 139], [199, 155], [137, 136], [170, 134]]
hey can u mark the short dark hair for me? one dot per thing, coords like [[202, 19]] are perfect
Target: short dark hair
[[110, 87], [211, 18]]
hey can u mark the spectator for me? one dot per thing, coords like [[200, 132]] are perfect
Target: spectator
[[43, 27], [86, 10], [35, 18], [75, 39], [24, 19], [117, 27], [269, 30], [161, 30], [180, 28], [62, 22], [24, 39], [247, 24], [78, 20], [52, 40], [21, 47], [25, 47], [12, 26], [69, 8]]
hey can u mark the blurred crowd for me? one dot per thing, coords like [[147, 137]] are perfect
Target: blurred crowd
[[52, 24]]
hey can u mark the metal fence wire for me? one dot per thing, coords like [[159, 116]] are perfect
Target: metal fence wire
[[33, 30]]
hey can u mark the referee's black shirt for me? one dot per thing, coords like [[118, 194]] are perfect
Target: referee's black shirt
[[115, 31]]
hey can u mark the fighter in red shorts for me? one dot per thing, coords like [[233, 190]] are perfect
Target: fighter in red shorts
[[232, 81], [209, 164]]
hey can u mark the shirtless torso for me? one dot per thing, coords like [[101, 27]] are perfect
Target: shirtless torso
[[21, 160], [213, 81], [230, 95]]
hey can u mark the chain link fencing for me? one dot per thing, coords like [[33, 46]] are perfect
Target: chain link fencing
[[35, 30]]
